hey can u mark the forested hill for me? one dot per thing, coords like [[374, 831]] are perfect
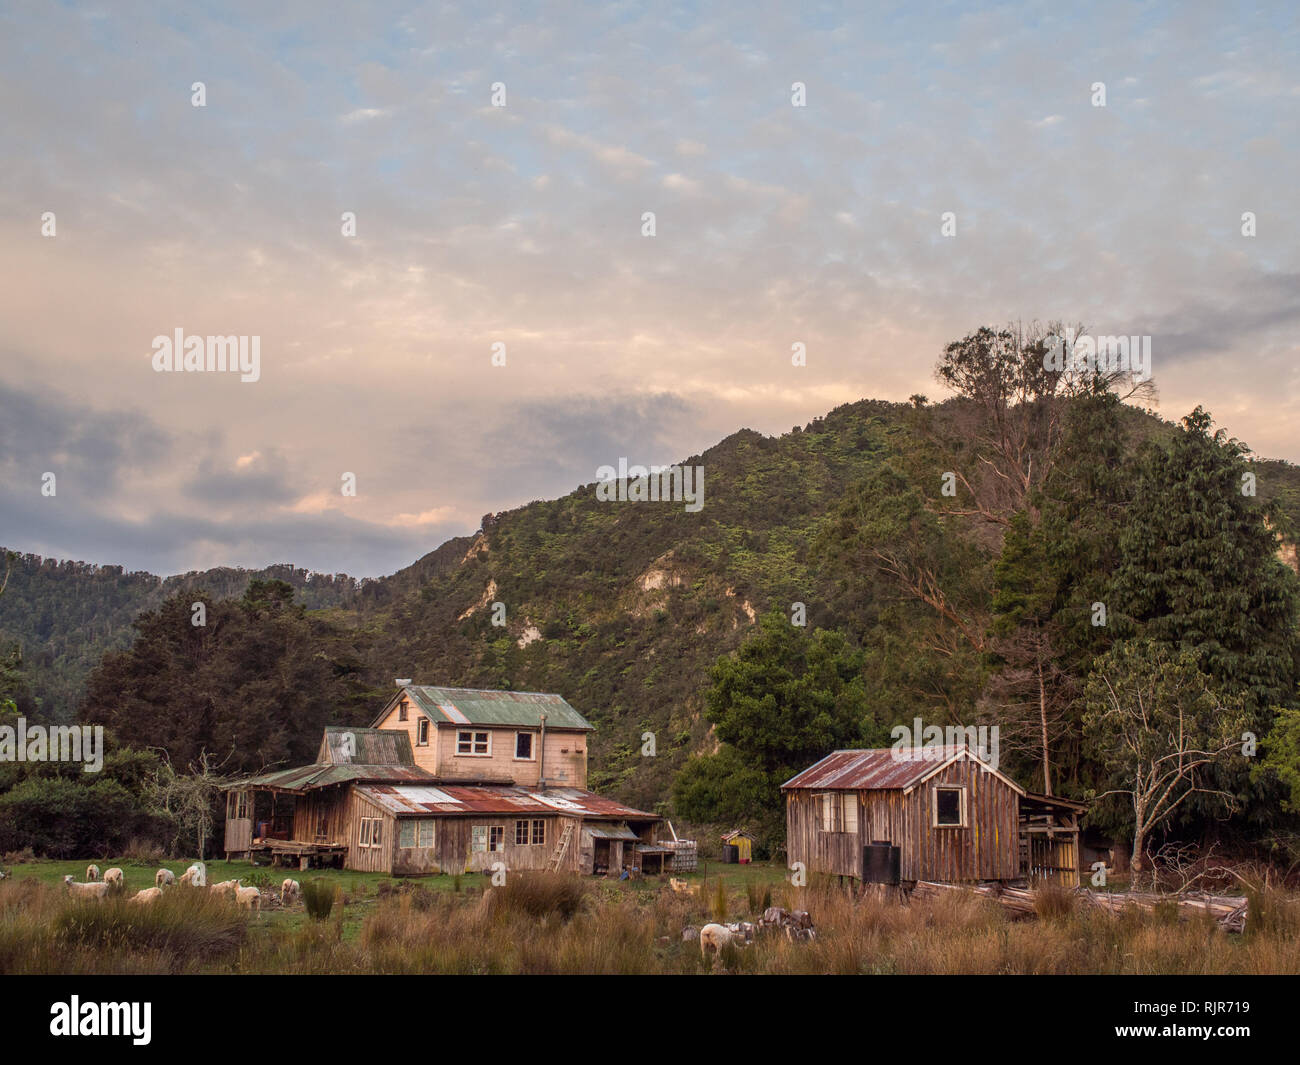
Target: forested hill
[[624, 607], [65, 615]]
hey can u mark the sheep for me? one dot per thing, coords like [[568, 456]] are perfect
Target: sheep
[[195, 876], [147, 895], [288, 890], [96, 892], [114, 879], [92, 873], [248, 897], [713, 937], [226, 887], [164, 878]]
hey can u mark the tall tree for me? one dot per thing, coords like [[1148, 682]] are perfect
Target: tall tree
[[784, 700], [1158, 726], [1198, 572]]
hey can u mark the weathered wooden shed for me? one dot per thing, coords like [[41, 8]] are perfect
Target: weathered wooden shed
[[950, 816]]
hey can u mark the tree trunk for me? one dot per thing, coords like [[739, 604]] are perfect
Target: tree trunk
[[1042, 723], [1139, 844]]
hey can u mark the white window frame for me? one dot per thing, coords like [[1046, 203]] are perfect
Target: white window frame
[[532, 745], [500, 844], [963, 820], [406, 828], [422, 732], [473, 743], [370, 834], [478, 839]]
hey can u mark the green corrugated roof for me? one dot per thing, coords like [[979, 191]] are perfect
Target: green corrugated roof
[[306, 777], [366, 746], [471, 706]]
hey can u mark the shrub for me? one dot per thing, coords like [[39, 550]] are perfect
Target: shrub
[[318, 898], [720, 902], [539, 895]]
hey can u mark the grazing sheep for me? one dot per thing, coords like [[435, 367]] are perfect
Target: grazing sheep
[[114, 879], [248, 897], [194, 876], [713, 937], [98, 892], [288, 890], [226, 887], [164, 878], [147, 895], [92, 873]]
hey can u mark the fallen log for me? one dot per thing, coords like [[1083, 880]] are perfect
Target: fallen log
[[1230, 911]]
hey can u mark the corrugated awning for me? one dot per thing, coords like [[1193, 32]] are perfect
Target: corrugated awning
[[610, 832]]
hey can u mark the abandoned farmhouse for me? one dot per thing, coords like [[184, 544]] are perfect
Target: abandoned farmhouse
[[446, 780]]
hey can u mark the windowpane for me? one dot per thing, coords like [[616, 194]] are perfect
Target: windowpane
[[523, 745], [497, 838], [521, 833], [539, 832], [947, 806], [426, 833], [406, 836], [479, 838]]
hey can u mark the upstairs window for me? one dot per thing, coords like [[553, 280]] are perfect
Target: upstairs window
[[422, 733], [401, 711]]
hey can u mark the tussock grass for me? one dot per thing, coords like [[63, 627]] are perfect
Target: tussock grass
[[42, 930], [558, 924]]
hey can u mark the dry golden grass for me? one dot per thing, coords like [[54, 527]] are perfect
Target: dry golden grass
[[561, 925]]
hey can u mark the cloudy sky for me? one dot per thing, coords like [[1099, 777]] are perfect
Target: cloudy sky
[[522, 225]]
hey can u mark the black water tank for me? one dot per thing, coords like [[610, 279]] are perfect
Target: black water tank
[[730, 854], [881, 863]]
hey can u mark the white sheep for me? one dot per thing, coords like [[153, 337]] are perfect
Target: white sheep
[[226, 887], [147, 895], [92, 873], [248, 897], [114, 879], [290, 889], [164, 878], [85, 891], [713, 937]]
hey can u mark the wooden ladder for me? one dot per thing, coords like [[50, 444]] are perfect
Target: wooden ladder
[[561, 848]]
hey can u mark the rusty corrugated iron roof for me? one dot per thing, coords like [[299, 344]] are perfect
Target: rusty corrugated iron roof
[[365, 746], [472, 706], [879, 769], [406, 800]]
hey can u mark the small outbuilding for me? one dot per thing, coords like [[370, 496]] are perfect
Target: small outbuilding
[[941, 814], [738, 846]]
